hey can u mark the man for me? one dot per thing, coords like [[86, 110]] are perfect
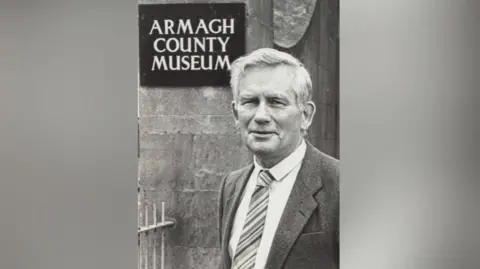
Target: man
[[282, 210]]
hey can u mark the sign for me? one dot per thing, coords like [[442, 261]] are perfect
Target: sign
[[189, 44]]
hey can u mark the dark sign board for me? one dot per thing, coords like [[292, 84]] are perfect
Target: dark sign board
[[189, 44]]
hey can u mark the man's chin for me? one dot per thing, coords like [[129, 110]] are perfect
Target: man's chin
[[261, 148]]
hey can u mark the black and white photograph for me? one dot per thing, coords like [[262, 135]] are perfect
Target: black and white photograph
[[238, 135]]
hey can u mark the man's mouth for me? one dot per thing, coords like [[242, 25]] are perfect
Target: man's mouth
[[262, 135], [262, 132]]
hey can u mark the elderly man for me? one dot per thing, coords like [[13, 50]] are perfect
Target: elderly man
[[282, 210]]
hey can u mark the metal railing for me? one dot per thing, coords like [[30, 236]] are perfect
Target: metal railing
[[153, 229]]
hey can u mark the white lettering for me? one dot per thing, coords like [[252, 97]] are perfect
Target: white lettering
[[184, 27], [201, 25], [222, 62], [176, 44], [159, 63], [156, 26], [211, 27], [169, 27], [223, 43], [155, 44], [228, 26]]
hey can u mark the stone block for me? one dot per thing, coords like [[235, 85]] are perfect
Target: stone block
[[158, 142], [183, 162], [176, 257], [186, 161], [196, 217], [185, 101], [206, 124], [208, 179], [155, 160], [166, 161], [160, 172], [214, 156], [179, 257], [219, 152]]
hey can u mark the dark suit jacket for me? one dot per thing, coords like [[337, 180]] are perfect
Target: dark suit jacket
[[308, 233]]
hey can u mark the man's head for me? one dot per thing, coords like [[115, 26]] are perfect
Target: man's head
[[272, 104]]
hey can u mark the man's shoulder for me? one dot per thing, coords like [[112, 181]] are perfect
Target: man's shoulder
[[329, 165]]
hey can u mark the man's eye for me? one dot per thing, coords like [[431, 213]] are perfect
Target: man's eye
[[277, 102], [249, 101]]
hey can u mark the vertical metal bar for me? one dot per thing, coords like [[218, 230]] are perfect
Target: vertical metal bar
[[140, 252], [139, 257], [154, 257], [139, 242], [145, 252], [162, 264], [145, 258], [154, 213], [146, 215]]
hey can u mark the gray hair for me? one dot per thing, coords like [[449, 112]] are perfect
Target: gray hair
[[266, 57]]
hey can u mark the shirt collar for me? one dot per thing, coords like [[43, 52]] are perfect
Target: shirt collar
[[281, 169]]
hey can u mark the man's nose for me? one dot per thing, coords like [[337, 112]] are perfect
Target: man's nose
[[262, 115]]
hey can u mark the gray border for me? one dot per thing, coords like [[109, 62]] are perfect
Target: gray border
[[408, 117], [68, 134]]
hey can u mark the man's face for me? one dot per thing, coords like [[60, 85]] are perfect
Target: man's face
[[267, 112]]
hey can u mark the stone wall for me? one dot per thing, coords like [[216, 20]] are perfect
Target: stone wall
[[187, 143]]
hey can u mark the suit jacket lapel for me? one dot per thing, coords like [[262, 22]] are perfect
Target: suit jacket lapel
[[231, 205], [298, 209]]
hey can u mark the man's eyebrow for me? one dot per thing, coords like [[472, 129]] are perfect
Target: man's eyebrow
[[243, 98], [246, 95], [277, 95]]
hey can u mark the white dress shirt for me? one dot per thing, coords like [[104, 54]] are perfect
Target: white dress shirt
[[285, 173]]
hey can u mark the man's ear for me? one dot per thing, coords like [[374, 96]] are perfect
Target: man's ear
[[235, 111], [308, 114]]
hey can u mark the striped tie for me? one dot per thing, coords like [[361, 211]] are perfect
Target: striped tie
[[255, 221]]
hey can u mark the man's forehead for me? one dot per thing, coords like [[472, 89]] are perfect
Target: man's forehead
[[266, 92], [277, 68], [255, 76], [252, 91]]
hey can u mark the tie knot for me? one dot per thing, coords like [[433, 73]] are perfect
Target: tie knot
[[265, 178]]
